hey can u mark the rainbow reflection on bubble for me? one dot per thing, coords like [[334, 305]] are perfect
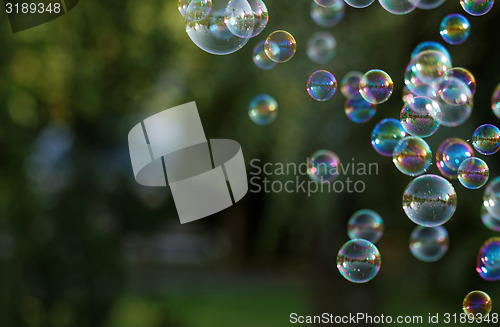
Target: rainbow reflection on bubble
[[488, 260], [260, 57], [429, 244], [477, 7], [321, 47], [263, 109], [429, 200], [280, 46], [412, 156], [495, 101], [450, 154], [491, 197], [328, 16], [489, 221], [358, 261], [261, 16], [454, 91], [376, 86], [421, 116], [454, 29], [349, 85], [323, 166], [430, 45], [325, 3], [425, 69], [473, 173], [386, 135], [194, 10], [486, 139], [321, 85], [477, 304], [358, 110], [365, 224], [399, 7]]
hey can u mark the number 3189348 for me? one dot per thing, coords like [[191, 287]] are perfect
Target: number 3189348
[[32, 8]]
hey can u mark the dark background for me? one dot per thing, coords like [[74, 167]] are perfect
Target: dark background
[[81, 244]]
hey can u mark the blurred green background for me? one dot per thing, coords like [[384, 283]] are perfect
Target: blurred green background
[[81, 244]]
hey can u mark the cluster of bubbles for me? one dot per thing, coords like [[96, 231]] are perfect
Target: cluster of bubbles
[[478, 304]]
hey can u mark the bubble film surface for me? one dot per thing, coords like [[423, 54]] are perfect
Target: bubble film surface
[[325, 3], [491, 198], [429, 244], [399, 7], [430, 4], [454, 91], [359, 3], [450, 154], [386, 135], [495, 101], [358, 110], [263, 109], [486, 139], [321, 47], [454, 29], [455, 115], [376, 86], [365, 224], [349, 85], [280, 46], [260, 57], [473, 173], [425, 69], [358, 261], [489, 221], [430, 45], [261, 16], [429, 200], [477, 7], [194, 10], [412, 156], [488, 260], [477, 303], [239, 18], [421, 116], [323, 166], [321, 85], [328, 16]]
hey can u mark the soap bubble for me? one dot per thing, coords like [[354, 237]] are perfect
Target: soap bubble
[[359, 3], [486, 139], [325, 3], [328, 16], [194, 10], [263, 109], [429, 244], [478, 304], [239, 18], [358, 110], [454, 91], [488, 260], [450, 154], [280, 46], [261, 16], [376, 86], [365, 224], [421, 116], [429, 200], [423, 90], [495, 101], [358, 261], [424, 69], [430, 4], [473, 173], [477, 7], [350, 83], [491, 197], [323, 166], [260, 57], [462, 74], [399, 7], [386, 135], [454, 29], [321, 47], [455, 115], [412, 156], [430, 45], [489, 221], [321, 85]]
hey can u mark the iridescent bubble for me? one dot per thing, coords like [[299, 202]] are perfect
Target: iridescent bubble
[[455, 115], [489, 221], [323, 165], [486, 139], [423, 90], [450, 154], [488, 260], [462, 74], [358, 261], [365, 224], [321, 47], [430, 4], [454, 91], [386, 135], [477, 7], [376, 86], [260, 57], [473, 173], [359, 3], [328, 16], [412, 156], [358, 110], [399, 7], [429, 200], [491, 198], [261, 16], [421, 116], [239, 18], [477, 304], [495, 101], [429, 244], [263, 109], [454, 29], [321, 85], [425, 68], [194, 10], [325, 3], [280, 46], [430, 45], [350, 83]]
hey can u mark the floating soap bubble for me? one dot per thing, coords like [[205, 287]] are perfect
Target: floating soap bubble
[[358, 110], [386, 135], [260, 57], [263, 109], [478, 304], [450, 154], [359, 3], [194, 10], [424, 69], [350, 83], [323, 166], [328, 16], [462, 74], [429, 200], [412, 156], [365, 224], [454, 91], [489, 221], [491, 198], [358, 261], [495, 101], [239, 18], [321, 47], [429, 244], [486, 139], [477, 7], [421, 116], [473, 173], [454, 29], [261, 16], [376, 86], [321, 85], [488, 260], [325, 3], [430, 4], [399, 7], [280, 46], [455, 115], [430, 45]]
